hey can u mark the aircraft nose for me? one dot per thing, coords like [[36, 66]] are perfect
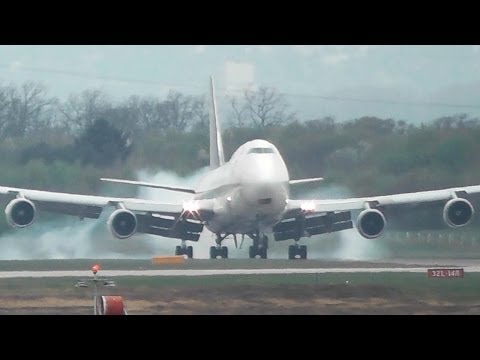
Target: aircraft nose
[[264, 193]]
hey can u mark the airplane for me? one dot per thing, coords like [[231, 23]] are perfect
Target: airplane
[[249, 195]]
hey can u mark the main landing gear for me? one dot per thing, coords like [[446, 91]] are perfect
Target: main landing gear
[[297, 250], [259, 247], [184, 250], [218, 250]]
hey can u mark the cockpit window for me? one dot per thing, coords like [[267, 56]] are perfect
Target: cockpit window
[[261, 151]]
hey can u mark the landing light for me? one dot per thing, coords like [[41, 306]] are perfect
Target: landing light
[[308, 206], [190, 206]]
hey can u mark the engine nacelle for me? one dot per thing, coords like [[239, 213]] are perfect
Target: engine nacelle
[[20, 212], [458, 212], [371, 223], [122, 223]]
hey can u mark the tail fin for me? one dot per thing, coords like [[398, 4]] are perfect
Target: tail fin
[[217, 158]]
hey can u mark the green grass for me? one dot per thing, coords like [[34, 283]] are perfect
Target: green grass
[[412, 285]]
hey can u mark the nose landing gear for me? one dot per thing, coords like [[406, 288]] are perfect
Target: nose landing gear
[[259, 247], [218, 250]]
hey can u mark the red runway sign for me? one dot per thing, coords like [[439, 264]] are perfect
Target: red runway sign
[[443, 273]]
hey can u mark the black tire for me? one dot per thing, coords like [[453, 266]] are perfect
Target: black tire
[[252, 252], [190, 252], [263, 252], [303, 252], [265, 241], [178, 250], [291, 252], [224, 252], [213, 252]]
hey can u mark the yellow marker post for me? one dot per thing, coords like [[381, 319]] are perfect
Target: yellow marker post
[[167, 260]]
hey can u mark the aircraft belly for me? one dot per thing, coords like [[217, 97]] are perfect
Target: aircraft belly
[[240, 216], [239, 225]]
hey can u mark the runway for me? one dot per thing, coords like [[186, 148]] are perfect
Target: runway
[[71, 268], [116, 273]]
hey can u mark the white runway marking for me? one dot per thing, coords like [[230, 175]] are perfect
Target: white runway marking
[[113, 273]]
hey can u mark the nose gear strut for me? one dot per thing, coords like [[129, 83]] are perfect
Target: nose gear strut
[[260, 245]]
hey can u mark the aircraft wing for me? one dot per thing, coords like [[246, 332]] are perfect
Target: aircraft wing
[[381, 201], [147, 184], [312, 217], [152, 217]]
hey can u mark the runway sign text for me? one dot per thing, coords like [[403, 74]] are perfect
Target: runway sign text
[[444, 273]]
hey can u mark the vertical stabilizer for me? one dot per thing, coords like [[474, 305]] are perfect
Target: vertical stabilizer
[[217, 158]]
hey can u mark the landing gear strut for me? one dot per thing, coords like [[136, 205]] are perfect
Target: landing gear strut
[[297, 250], [259, 247], [184, 250], [219, 250]]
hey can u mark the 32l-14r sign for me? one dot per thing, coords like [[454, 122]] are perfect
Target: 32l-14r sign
[[444, 273]]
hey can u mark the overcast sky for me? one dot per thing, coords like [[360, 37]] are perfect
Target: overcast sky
[[363, 79]]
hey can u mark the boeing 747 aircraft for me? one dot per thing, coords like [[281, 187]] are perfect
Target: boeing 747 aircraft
[[248, 195]]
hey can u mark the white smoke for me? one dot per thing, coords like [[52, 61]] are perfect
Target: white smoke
[[166, 246], [60, 239], [344, 245], [65, 237], [55, 236]]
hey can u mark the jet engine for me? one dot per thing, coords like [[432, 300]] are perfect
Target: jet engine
[[122, 223], [371, 223], [20, 212], [457, 212]]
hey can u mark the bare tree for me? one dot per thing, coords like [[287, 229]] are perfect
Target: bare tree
[[146, 112], [26, 109], [81, 110], [177, 111], [5, 102], [239, 109], [264, 107], [326, 123], [200, 111], [457, 121]]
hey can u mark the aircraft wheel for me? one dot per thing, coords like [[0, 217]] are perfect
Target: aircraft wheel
[[251, 252], [224, 252], [263, 252], [110, 305], [190, 252], [291, 252], [213, 252], [303, 252], [178, 250]]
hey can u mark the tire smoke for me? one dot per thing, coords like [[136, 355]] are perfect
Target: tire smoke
[[64, 237]]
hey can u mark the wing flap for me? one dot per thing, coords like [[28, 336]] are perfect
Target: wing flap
[[83, 211], [184, 229], [295, 228]]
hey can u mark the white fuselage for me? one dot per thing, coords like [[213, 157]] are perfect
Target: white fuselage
[[249, 192]]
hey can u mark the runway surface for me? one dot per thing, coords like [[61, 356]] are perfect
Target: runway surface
[[404, 266]]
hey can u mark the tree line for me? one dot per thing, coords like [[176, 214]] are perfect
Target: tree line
[[89, 129], [68, 145]]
